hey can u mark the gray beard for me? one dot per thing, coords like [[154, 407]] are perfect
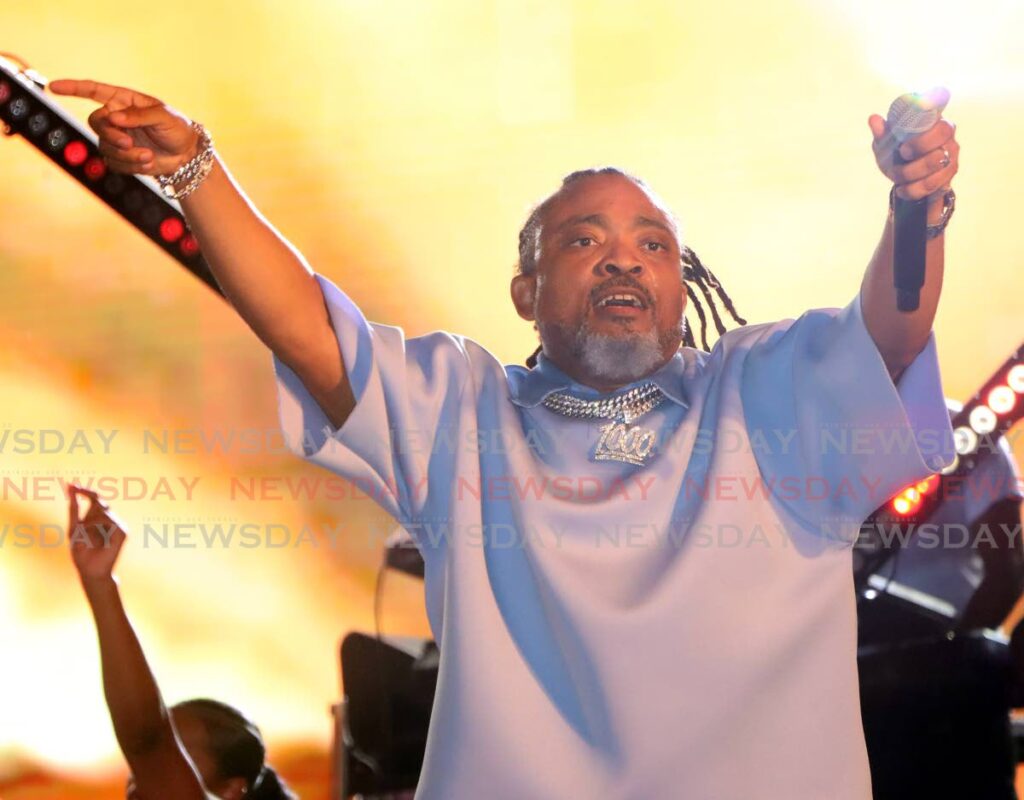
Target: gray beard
[[613, 359]]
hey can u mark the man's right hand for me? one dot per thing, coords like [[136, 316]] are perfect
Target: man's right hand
[[263, 276], [138, 134]]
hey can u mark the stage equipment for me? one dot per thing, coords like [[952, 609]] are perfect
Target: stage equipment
[[996, 407], [936, 684], [27, 111], [936, 718], [381, 724], [402, 555]]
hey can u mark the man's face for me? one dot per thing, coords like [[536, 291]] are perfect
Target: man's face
[[608, 288]]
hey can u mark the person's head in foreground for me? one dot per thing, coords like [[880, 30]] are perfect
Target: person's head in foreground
[[161, 746], [227, 750], [603, 276]]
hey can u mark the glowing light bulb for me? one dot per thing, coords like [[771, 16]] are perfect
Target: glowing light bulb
[[95, 168], [965, 440], [1015, 378], [172, 229], [76, 153], [189, 246], [1001, 399], [983, 420]]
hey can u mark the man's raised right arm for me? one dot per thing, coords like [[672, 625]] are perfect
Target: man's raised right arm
[[263, 276]]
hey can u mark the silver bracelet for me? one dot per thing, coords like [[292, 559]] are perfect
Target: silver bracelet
[[193, 172], [948, 207]]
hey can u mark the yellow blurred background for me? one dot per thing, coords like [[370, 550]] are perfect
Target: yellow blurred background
[[399, 145]]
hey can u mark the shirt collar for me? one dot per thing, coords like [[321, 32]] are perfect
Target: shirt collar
[[528, 388]]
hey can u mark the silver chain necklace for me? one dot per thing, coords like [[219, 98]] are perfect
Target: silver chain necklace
[[620, 439]]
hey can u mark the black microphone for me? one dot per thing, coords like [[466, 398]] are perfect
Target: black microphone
[[911, 115]]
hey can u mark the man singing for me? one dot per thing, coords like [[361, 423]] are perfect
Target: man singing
[[645, 591]]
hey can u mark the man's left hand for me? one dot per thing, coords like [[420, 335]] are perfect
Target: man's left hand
[[927, 162]]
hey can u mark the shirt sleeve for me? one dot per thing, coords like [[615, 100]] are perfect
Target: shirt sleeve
[[406, 391], [839, 438]]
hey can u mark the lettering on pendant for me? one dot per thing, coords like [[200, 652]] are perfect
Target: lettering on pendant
[[619, 443]]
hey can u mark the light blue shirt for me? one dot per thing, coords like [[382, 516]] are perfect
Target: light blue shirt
[[684, 628]]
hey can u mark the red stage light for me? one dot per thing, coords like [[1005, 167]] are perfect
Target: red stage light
[[909, 500], [95, 168], [901, 506], [171, 229], [189, 245], [75, 153]]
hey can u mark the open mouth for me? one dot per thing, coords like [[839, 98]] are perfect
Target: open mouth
[[622, 299]]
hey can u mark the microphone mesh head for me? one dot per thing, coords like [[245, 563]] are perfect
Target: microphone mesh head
[[913, 114]]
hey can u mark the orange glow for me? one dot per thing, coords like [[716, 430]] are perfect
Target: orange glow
[[901, 505], [908, 501], [400, 151]]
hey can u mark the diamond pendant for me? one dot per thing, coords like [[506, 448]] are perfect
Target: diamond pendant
[[619, 442]]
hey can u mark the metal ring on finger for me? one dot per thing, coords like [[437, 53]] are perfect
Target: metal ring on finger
[[945, 158]]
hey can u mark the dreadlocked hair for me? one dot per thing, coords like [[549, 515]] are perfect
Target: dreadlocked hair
[[694, 273]]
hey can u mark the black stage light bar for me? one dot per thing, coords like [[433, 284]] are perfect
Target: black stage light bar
[[27, 111], [977, 428]]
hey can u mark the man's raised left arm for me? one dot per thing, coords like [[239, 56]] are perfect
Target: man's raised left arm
[[932, 159]]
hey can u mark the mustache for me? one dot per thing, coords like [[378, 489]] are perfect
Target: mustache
[[622, 281]]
